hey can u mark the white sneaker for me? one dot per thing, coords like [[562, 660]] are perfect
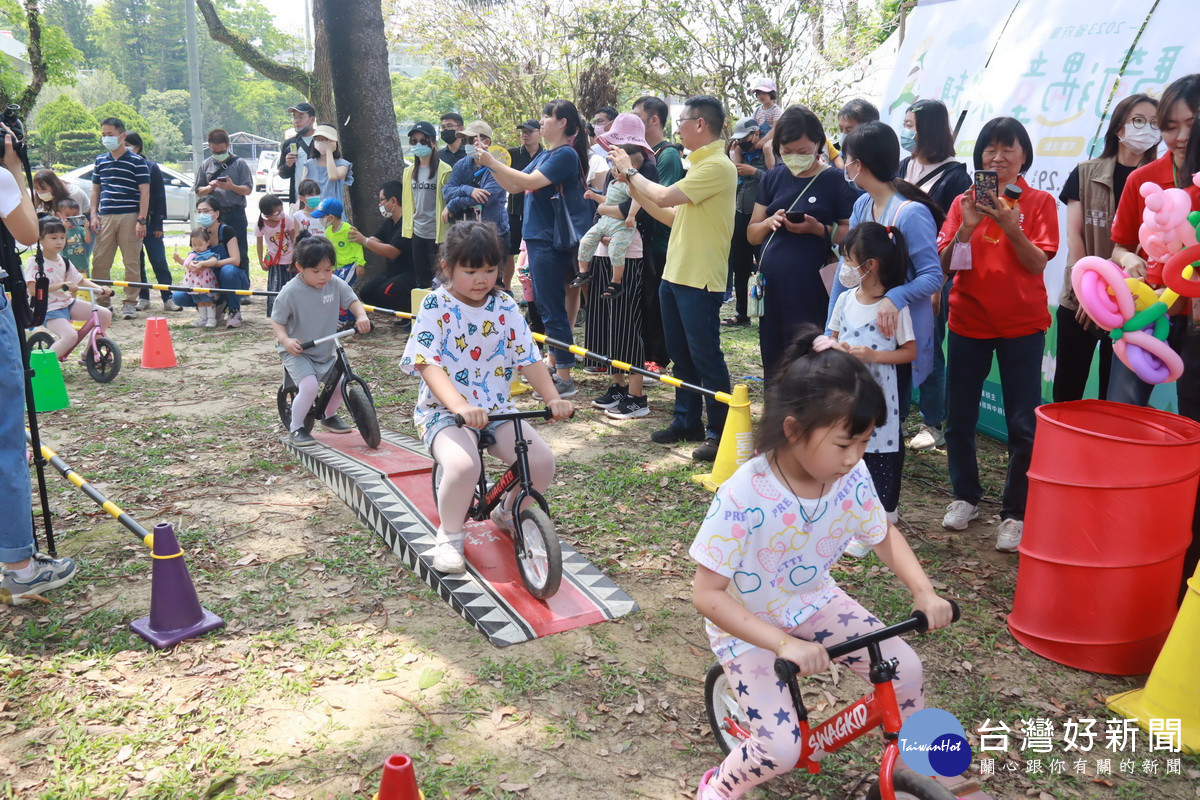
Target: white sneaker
[[234, 321], [129, 311], [503, 519], [959, 514], [143, 305], [927, 439], [170, 305], [1009, 537], [211, 322], [200, 322], [448, 555]]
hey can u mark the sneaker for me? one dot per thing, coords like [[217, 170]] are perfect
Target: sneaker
[[1009, 537], [927, 438], [629, 407], [653, 366], [503, 519], [447, 555], [234, 321], [302, 438], [596, 369], [211, 322], [706, 792], [706, 451], [958, 515], [857, 549], [565, 389], [47, 573], [612, 397], [671, 435], [143, 304], [129, 311], [170, 305], [335, 424], [201, 322], [736, 322]]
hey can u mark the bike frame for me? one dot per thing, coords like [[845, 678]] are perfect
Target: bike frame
[[518, 471], [91, 329]]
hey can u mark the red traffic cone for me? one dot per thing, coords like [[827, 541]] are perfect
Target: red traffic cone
[[157, 350], [175, 610], [399, 781]]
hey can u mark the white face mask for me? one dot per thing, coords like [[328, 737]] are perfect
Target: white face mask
[[45, 197], [384, 212], [1139, 140], [797, 163], [469, 151], [850, 276], [110, 143]]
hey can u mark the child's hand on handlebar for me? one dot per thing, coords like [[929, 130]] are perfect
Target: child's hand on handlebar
[[474, 417], [362, 324], [810, 657], [292, 345], [936, 608], [561, 409]]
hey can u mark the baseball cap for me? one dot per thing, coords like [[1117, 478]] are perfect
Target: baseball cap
[[329, 207], [476, 128], [304, 108], [530, 125], [745, 126], [764, 85], [425, 128]]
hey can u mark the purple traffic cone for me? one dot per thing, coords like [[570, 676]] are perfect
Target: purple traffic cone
[[175, 610]]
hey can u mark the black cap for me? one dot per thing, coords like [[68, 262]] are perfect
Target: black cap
[[425, 128], [304, 108], [530, 125]]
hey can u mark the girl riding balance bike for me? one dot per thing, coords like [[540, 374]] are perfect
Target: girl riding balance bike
[[467, 339]]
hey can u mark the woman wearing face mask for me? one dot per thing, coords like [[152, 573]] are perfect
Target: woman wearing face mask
[[1176, 113], [793, 252], [331, 172], [933, 169], [1091, 193], [230, 275], [424, 223], [49, 191]]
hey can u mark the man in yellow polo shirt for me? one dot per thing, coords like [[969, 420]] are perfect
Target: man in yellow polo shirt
[[693, 281]]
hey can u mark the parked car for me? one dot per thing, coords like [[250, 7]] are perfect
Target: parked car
[[266, 165], [278, 185], [180, 197]]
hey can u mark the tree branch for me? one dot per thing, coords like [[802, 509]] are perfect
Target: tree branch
[[37, 64], [299, 79]]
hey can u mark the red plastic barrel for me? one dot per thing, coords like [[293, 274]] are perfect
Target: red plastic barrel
[[1112, 488]]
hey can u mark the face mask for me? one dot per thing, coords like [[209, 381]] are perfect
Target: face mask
[[469, 151], [850, 276], [383, 211], [421, 150], [204, 220], [850, 180], [745, 144], [449, 136], [798, 164], [45, 197], [110, 143], [908, 139], [221, 156], [1139, 140], [312, 202]]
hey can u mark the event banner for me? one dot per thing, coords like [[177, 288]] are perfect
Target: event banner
[[1059, 68]]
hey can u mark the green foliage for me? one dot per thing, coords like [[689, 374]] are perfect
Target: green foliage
[[62, 114], [426, 97], [59, 56], [75, 19], [171, 103], [126, 113], [262, 105], [169, 144], [77, 147]]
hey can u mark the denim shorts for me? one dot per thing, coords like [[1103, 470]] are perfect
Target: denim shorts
[[60, 313], [446, 420]]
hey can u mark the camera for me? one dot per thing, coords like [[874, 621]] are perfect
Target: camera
[[16, 126]]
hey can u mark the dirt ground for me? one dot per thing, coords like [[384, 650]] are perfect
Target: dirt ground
[[336, 656]]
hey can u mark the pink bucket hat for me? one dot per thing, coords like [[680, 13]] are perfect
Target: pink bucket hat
[[626, 129]]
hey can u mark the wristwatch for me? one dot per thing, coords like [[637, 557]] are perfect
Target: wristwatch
[[630, 172], [141, 221]]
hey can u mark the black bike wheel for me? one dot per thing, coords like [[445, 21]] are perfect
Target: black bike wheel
[[911, 786], [541, 564], [42, 340], [105, 367], [283, 404], [363, 414], [720, 701]]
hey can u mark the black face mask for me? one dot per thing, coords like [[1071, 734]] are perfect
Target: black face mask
[[449, 136], [746, 145]]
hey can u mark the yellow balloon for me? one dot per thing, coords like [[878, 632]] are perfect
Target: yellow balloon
[[1143, 295]]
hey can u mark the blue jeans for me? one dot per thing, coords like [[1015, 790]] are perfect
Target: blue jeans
[[156, 251], [968, 363], [16, 528], [692, 327], [230, 276], [550, 270], [931, 395]]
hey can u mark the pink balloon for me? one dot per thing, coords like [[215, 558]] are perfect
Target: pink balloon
[[1148, 188], [1178, 204], [1093, 278], [1187, 235], [1151, 359]]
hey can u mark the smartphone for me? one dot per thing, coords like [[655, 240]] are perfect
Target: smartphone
[[796, 217], [986, 180]]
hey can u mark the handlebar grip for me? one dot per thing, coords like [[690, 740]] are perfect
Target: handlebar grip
[[923, 623], [785, 670], [308, 344], [459, 421]]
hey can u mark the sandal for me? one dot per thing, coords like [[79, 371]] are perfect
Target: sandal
[[582, 279], [612, 291]]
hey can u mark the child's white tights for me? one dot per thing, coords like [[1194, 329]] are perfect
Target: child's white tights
[[306, 393]]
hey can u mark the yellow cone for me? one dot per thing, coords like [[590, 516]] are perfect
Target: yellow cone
[[416, 297], [1173, 688], [517, 388], [737, 441]]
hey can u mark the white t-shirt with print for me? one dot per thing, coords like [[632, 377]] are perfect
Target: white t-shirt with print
[[477, 347], [58, 272], [849, 312], [777, 550]]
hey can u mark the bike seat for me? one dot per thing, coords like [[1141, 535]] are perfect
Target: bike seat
[[486, 439]]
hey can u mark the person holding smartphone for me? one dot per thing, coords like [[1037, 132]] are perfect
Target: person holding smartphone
[[229, 179], [997, 307], [803, 207]]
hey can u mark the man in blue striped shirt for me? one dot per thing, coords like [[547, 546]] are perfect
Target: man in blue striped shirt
[[120, 203]]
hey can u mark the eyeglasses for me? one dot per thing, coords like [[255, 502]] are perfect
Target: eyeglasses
[[687, 119], [1140, 122], [418, 141]]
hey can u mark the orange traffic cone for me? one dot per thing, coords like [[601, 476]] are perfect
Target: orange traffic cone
[[157, 350], [399, 781]]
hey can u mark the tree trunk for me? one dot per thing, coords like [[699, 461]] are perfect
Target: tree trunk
[[366, 119], [322, 80]]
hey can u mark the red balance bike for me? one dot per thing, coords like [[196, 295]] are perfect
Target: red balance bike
[[878, 709], [102, 357]]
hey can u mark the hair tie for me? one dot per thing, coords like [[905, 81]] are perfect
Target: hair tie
[[889, 230]]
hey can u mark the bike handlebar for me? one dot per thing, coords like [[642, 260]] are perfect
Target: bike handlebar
[[787, 671], [543, 413], [323, 339]]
